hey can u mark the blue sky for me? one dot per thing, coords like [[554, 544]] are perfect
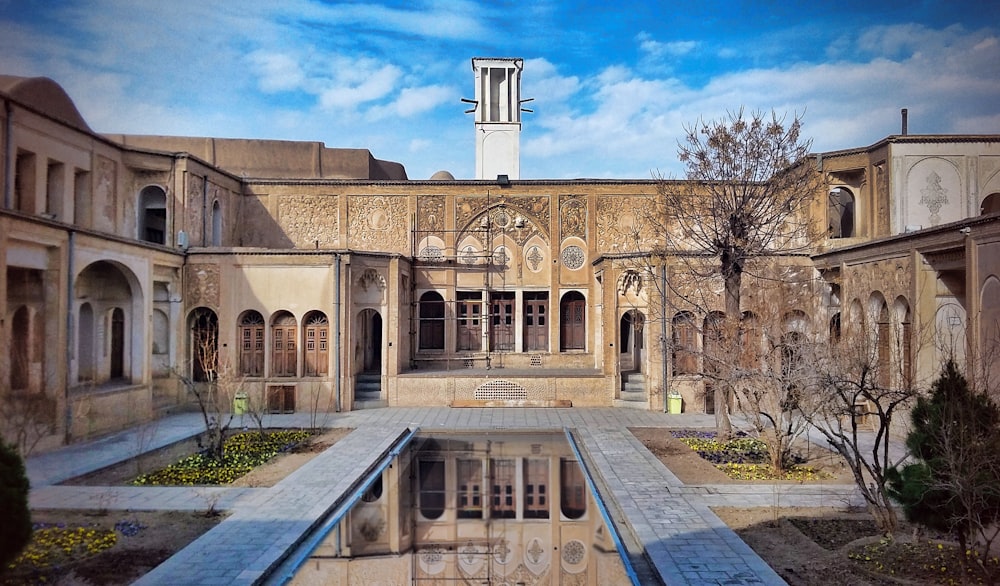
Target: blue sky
[[613, 85]]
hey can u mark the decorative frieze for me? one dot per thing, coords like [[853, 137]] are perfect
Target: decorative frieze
[[310, 221]]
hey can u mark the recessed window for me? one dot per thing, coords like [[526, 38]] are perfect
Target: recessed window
[[573, 496], [503, 479], [536, 489], [841, 213], [432, 494], [469, 494]]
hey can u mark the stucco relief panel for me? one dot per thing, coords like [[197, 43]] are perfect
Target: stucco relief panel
[[202, 285], [619, 224], [309, 220], [573, 217], [377, 223], [105, 192], [193, 203], [891, 277], [430, 213], [934, 191]]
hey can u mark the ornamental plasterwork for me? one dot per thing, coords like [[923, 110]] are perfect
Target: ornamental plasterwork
[[534, 257], [202, 285], [619, 225], [431, 559], [573, 257], [537, 206], [309, 220], [504, 221], [573, 217], [377, 221], [933, 195], [430, 213], [106, 191], [890, 277], [371, 278], [195, 188], [574, 552], [537, 556], [468, 207], [631, 280], [882, 188]]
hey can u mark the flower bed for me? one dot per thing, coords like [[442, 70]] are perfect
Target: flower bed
[[241, 453], [925, 562], [742, 457], [54, 546]]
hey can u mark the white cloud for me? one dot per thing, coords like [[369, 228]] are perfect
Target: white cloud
[[413, 101], [277, 72], [355, 82]]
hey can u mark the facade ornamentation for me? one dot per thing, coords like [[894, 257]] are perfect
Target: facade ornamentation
[[574, 552], [535, 257], [376, 221], [310, 221], [934, 196], [202, 285], [371, 278], [631, 280], [573, 217], [573, 257], [619, 228], [106, 191]]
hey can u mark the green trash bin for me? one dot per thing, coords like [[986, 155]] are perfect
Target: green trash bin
[[240, 403], [674, 403]]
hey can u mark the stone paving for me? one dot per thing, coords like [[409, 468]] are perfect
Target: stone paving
[[669, 523]]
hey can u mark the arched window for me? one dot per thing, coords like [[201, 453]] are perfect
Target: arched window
[[216, 224], [991, 204], [685, 340], [317, 344], [841, 213], [21, 342], [117, 365], [431, 321], [883, 346], [713, 341], [902, 311], [791, 369], [573, 322], [85, 344], [204, 345], [835, 329], [251, 337], [751, 342], [153, 214], [283, 335]]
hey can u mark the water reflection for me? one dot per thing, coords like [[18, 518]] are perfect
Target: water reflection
[[472, 508]]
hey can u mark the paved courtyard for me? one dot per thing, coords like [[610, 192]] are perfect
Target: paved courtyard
[[667, 526]]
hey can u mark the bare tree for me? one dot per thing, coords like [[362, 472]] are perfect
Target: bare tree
[[747, 195], [858, 397], [212, 384]]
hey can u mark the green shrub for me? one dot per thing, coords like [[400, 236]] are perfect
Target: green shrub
[[15, 530]]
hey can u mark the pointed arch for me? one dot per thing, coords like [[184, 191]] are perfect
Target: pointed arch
[[284, 331]]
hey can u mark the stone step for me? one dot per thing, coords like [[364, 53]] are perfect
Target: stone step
[[626, 404]]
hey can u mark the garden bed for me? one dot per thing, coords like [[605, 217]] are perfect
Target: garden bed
[[81, 547], [739, 461], [278, 466]]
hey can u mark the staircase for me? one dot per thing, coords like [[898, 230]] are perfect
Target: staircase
[[633, 395], [368, 391]]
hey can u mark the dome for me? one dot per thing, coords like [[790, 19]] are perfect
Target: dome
[[442, 176]]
